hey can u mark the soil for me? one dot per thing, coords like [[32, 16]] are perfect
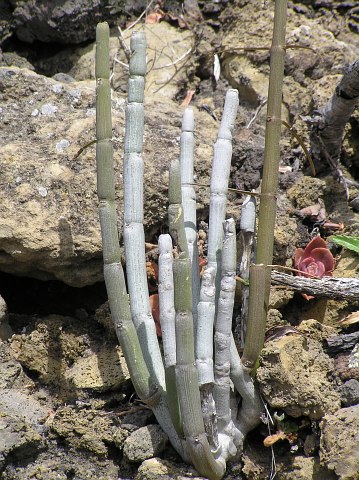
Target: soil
[[67, 406]]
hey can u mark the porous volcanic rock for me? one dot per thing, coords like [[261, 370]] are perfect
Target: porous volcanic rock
[[62, 354], [64, 21], [50, 227], [339, 442], [144, 443], [294, 376]]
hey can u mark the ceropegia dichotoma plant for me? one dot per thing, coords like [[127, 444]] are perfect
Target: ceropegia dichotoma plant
[[200, 391]]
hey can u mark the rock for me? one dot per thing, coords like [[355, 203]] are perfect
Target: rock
[[144, 443], [316, 330], [9, 372], [294, 376], [119, 437], [88, 429], [133, 420], [50, 227], [350, 393], [306, 192], [248, 70], [345, 367], [24, 407], [12, 59], [61, 22], [5, 329], [17, 439], [59, 464], [164, 79], [101, 371], [58, 350], [279, 298], [339, 443], [158, 469], [257, 463]]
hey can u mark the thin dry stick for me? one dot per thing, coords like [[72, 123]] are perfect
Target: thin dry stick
[[179, 59], [139, 18], [256, 113], [329, 287]]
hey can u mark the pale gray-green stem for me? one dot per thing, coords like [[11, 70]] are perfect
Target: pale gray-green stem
[[186, 372], [223, 326], [134, 238], [145, 383], [189, 202], [113, 272], [168, 327], [218, 202], [247, 236]]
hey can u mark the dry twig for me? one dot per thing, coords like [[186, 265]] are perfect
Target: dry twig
[[329, 287]]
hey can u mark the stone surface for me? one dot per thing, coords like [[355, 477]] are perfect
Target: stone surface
[[50, 227], [5, 329], [144, 443], [9, 372], [16, 438], [59, 464], [294, 376], [350, 392], [64, 21], [57, 349], [158, 469], [306, 192], [25, 408], [339, 443], [100, 371], [166, 45], [248, 71], [87, 429], [257, 465]]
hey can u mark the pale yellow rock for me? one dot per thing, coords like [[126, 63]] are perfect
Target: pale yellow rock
[[100, 371], [294, 376]]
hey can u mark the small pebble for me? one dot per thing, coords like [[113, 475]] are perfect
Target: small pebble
[[350, 393], [42, 191], [57, 88], [76, 94], [48, 109], [62, 145]]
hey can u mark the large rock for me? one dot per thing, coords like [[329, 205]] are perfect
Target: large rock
[[144, 443], [158, 469], [339, 443], [87, 429], [64, 21], [294, 376], [24, 407], [50, 227], [62, 354], [17, 439], [248, 70]]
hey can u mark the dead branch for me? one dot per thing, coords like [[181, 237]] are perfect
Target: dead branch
[[328, 124], [335, 288]]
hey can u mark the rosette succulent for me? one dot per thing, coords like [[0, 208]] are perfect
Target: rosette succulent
[[314, 260]]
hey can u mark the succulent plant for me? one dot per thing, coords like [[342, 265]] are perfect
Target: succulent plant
[[314, 260], [189, 387]]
